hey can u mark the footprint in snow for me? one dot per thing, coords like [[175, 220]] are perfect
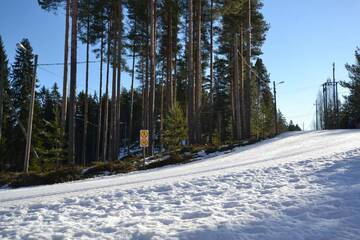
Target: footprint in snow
[[155, 208], [230, 204], [162, 189], [293, 180], [108, 229], [293, 211], [267, 191], [196, 214], [300, 186], [166, 221], [289, 203]]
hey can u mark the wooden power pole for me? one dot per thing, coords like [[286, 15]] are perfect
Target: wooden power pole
[[30, 118], [275, 111]]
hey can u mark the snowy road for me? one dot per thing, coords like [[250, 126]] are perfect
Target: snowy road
[[297, 186]]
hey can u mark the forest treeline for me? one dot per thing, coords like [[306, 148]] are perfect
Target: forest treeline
[[196, 75]]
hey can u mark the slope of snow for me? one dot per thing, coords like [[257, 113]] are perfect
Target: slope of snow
[[297, 186]]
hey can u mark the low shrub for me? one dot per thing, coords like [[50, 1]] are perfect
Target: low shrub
[[57, 176], [187, 149], [6, 178], [211, 149], [175, 158], [25, 180], [112, 167], [225, 148]]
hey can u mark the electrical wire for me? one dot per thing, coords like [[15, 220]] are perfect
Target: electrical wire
[[62, 64]]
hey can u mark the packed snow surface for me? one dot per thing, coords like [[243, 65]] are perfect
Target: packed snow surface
[[296, 186]]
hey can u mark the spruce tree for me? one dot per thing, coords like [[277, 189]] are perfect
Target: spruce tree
[[352, 101], [21, 78], [51, 140], [4, 104], [175, 129]]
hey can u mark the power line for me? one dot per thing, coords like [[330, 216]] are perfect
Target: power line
[[56, 75], [299, 116], [48, 71], [62, 64], [250, 67]]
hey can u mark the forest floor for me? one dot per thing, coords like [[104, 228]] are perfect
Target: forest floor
[[303, 185]]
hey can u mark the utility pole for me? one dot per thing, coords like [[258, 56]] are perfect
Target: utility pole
[[331, 107], [30, 118], [325, 106], [275, 113], [337, 105], [316, 116], [275, 110], [334, 99]]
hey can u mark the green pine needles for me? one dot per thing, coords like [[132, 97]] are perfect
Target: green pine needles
[[175, 128]]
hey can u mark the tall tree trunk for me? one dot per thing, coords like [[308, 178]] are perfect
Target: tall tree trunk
[[143, 113], [98, 139], [66, 57], [175, 74], [236, 90], [247, 84], [232, 95], [147, 79], [198, 77], [86, 103], [162, 113], [242, 80], [118, 103], [106, 113], [190, 73], [2, 84], [132, 90], [147, 86], [153, 73], [113, 94], [169, 62], [72, 110], [211, 69]]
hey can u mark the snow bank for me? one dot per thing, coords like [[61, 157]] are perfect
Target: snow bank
[[298, 186]]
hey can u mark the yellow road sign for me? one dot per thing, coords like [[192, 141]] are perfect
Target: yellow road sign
[[144, 138]]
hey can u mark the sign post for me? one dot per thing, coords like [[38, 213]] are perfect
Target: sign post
[[144, 141]]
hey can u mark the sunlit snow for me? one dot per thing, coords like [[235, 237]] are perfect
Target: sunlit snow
[[296, 186]]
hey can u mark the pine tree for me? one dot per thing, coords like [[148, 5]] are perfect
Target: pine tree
[[152, 120], [282, 124], [72, 103], [293, 127], [86, 16], [54, 5], [51, 139], [262, 99], [352, 102], [4, 104], [175, 130]]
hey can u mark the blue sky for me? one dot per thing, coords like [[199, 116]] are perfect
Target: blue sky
[[305, 38]]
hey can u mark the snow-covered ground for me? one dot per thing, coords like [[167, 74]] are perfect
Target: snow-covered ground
[[297, 186]]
